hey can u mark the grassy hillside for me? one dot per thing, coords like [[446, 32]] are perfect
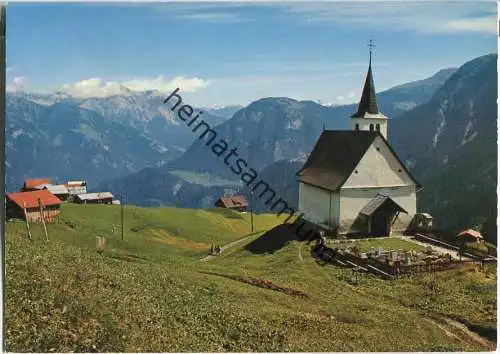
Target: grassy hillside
[[150, 292]]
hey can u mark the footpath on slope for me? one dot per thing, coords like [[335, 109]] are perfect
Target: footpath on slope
[[223, 248]]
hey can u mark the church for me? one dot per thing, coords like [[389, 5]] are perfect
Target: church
[[353, 182]]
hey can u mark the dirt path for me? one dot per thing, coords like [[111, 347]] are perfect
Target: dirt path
[[223, 248], [460, 332], [445, 330], [300, 253], [471, 335]]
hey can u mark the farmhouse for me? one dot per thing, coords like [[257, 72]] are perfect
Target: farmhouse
[[236, 202], [33, 184], [76, 187], [17, 203], [94, 198], [59, 190], [353, 182]]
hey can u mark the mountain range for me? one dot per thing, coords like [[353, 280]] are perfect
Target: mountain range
[[63, 137]]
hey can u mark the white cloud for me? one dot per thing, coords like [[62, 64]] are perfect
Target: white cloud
[[18, 84], [214, 17], [97, 87], [418, 16], [19, 80], [204, 12]]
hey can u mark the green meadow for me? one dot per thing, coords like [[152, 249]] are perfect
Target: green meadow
[[151, 292]]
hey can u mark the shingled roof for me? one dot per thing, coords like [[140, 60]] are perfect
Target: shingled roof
[[377, 202], [336, 154]]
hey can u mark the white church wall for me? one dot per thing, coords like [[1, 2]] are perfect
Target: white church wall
[[378, 168], [353, 200], [316, 207]]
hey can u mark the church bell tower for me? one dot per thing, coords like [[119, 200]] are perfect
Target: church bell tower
[[368, 116]]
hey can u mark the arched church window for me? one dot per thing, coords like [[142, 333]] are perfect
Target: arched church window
[[371, 127], [378, 127], [357, 126]]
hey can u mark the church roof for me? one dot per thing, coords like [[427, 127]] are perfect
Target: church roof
[[336, 155]]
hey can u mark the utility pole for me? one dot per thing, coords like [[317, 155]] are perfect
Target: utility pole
[[121, 211], [251, 209]]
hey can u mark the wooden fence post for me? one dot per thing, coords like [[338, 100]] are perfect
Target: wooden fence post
[[27, 222], [43, 219]]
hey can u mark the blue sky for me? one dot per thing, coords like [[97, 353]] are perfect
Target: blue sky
[[234, 53]]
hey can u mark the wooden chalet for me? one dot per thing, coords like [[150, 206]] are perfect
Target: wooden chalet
[[470, 236], [94, 198], [34, 184], [33, 205], [236, 202]]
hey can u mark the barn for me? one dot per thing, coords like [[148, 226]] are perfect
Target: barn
[[236, 202], [17, 203], [94, 198]]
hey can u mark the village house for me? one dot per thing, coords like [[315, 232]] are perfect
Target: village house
[[236, 202], [353, 182], [17, 203], [76, 187], [94, 198], [33, 184]]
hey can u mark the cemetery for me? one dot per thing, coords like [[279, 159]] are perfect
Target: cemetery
[[388, 263]]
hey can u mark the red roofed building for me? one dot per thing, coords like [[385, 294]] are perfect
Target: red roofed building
[[17, 203], [31, 184], [236, 202]]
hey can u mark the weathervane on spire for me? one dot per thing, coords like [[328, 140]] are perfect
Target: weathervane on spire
[[371, 45]]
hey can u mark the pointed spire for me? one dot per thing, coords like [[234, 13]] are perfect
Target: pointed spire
[[368, 102]]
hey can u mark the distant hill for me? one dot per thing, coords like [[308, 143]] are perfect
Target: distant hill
[[63, 141], [450, 145], [225, 112]]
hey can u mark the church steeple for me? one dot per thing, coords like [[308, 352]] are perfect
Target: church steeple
[[368, 116], [368, 102]]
